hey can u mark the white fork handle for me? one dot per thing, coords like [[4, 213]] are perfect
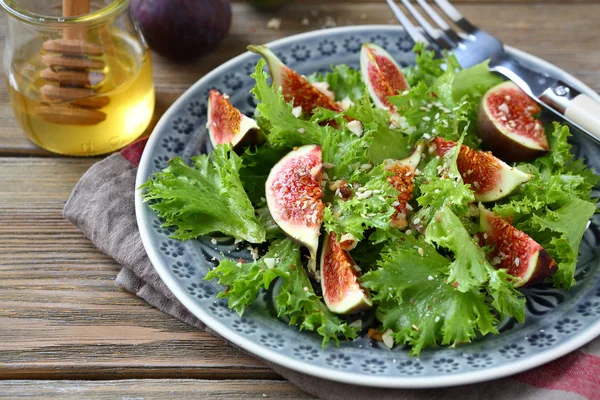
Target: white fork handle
[[585, 112]]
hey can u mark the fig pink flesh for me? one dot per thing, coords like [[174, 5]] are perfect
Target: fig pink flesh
[[224, 119], [384, 77], [514, 111], [515, 251], [297, 88], [296, 190], [339, 280], [479, 169]]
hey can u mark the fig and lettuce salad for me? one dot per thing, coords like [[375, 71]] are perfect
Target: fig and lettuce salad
[[420, 199]]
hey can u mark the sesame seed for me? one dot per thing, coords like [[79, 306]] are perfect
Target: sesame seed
[[408, 232], [426, 118], [437, 319], [213, 240], [417, 221], [421, 252], [301, 130]]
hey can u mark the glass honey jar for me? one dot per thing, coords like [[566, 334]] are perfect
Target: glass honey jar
[[78, 73]]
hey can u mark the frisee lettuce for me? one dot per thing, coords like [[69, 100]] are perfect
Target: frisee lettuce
[[344, 81], [370, 208], [206, 197], [295, 298], [417, 302], [341, 148], [554, 207], [470, 270], [431, 287]]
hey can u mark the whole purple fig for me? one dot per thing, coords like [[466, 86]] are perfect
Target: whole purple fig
[[182, 29]]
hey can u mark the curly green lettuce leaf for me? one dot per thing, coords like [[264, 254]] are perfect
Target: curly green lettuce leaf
[[390, 134], [440, 185], [555, 206], [432, 111], [417, 303], [427, 66], [343, 81], [369, 207], [341, 147], [474, 82], [560, 232], [470, 270], [257, 164], [206, 196], [295, 298]]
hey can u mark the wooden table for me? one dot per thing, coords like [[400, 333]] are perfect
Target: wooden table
[[66, 330]]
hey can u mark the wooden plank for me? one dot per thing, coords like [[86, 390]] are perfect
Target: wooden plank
[[61, 315], [564, 34], [151, 389]]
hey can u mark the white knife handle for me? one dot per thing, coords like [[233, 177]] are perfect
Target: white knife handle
[[577, 107], [585, 112]]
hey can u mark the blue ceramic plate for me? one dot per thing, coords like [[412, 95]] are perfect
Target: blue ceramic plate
[[557, 321]]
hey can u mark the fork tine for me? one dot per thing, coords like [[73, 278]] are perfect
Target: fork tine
[[433, 33], [412, 31], [439, 21], [455, 16]]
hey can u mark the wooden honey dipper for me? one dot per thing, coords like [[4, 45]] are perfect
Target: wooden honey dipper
[[71, 75]]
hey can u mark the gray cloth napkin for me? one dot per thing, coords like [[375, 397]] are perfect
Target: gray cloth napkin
[[102, 207]]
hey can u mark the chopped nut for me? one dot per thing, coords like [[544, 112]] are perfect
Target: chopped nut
[[348, 241], [346, 103], [269, 262], [355, 127], [356, 324], [297, 111], [274, 23], [387, 338], [324, 88], [329, 22]]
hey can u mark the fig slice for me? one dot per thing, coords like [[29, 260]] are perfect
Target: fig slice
[[381, 74], [490, 178], [226, 124], [294, 86], [339, 280], [514, 250], [293, 192], [507, 124], [403, 180]]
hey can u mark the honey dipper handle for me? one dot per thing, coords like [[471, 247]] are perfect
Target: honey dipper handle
[[72, 8]]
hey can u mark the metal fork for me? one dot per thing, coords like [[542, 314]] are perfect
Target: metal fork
[[472, 46]]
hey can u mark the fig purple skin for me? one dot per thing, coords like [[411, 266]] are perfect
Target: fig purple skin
[[182, 30]]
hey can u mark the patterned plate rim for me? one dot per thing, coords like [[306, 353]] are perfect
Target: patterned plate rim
[[305, 367]]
